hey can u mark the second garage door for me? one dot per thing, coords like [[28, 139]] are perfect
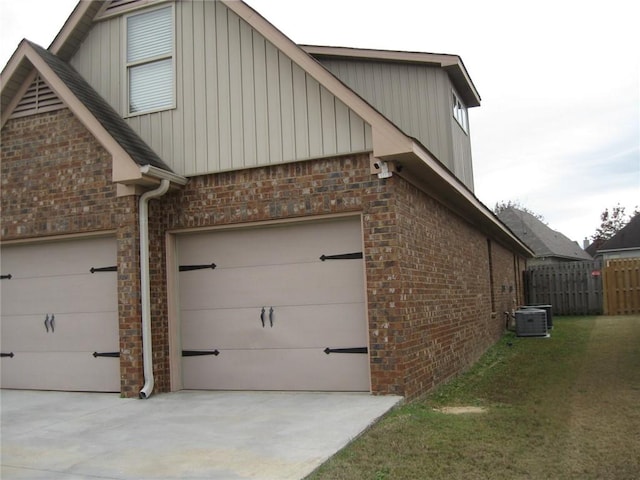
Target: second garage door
[[276, 308], [59, 318]]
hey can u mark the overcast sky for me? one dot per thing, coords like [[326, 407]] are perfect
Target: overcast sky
[[559, 125]]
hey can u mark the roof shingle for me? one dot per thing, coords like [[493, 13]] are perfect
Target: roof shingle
[[544, 241]]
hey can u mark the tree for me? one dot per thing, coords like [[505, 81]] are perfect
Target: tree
[[502, 205], [612, 222]]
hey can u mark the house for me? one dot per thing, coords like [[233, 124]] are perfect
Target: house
[[549, 246], [624, 244], [190, 200]]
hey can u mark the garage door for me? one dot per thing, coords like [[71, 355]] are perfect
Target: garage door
[[278, 308], [59, 320]]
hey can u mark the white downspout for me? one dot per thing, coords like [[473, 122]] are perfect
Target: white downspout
[[145, 289]]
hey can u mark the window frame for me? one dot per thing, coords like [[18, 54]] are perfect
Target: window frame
[[159, 58], [459, 112]]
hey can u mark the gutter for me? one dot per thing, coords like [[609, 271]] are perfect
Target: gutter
[[166, 179]]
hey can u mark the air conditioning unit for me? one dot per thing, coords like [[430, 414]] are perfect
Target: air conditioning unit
[[546, 308], [531, 323]]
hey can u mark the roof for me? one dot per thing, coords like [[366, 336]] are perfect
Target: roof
[[452, 64], [627, 238], [544, 241]]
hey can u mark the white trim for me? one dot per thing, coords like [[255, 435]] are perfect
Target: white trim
[[459, 111]]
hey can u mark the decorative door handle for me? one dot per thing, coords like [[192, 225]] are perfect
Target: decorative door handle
[[271, 317], [50, 323], [262, 317]]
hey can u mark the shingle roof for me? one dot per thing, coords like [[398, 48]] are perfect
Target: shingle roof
[[627, 237], [120, 130], [544, 241]]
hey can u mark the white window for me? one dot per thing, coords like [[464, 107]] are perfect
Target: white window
[[460, 112], [150, 61]]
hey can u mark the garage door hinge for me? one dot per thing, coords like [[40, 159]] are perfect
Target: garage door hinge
[[199, 353], [188, 268], [6, 277], [10, 355], [342, 256], [346, 350], [104, 269], [106, 354]]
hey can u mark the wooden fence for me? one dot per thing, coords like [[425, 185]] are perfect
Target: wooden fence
[[572, 288], [622, 286]]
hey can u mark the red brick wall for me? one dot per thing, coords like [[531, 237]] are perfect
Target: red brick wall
[[428, 284], [56, 180], [444, 320], [428, 276]]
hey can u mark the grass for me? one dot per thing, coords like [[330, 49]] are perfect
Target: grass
[[565, 407]]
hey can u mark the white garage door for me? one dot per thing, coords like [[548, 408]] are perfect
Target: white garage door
[[273, 314], [59, 320]]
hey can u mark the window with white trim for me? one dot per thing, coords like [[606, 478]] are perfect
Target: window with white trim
[[460, 112], [150, 61]]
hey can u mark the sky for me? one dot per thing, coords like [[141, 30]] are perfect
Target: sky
[[558, 130]]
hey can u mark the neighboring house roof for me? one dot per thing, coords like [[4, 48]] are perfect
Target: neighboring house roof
[[544, 241], [628, 238], [592, 249]]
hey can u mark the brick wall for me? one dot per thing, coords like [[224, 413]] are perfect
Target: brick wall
[[444, 317], [56, 180], [429, 283]]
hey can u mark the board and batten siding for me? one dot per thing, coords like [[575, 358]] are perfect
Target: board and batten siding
[[462, 162], [240, 102], [415, 97]]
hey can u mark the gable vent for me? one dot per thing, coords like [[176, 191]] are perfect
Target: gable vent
[[116, 7], [38, 98]]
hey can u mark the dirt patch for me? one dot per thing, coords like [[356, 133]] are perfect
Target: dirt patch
[[460, 410]]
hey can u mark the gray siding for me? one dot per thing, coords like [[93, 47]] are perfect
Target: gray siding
[[462, 163], [417, 98], [240, 102]]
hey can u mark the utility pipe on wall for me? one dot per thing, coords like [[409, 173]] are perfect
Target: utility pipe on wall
[[145, 288]]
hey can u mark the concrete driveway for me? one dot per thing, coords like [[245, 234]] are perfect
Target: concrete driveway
[[182, 435]]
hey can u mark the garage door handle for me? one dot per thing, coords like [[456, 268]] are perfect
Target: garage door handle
[[271, 317], [50, 322], [262, 317]]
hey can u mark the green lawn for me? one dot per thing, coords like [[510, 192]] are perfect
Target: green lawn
[[564, 407]]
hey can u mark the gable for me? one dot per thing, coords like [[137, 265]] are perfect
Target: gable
[[240, 101]]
